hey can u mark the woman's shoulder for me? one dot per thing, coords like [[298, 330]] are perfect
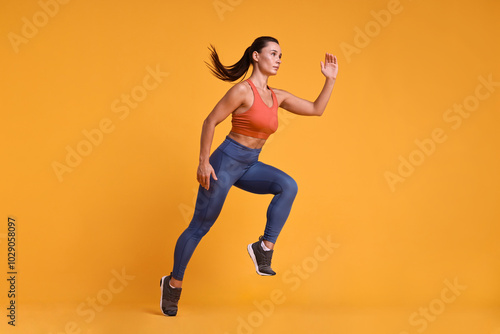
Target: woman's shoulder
[[239, 93], [243, 85], [240, 88]]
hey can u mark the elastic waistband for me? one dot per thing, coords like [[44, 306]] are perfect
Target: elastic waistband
[[239, 152], [254, 150]]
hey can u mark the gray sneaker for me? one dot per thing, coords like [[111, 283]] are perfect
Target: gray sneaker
[[169, 296], [261, 258]]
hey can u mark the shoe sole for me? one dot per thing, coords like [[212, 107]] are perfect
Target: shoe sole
[[162, 282], [252, 256]]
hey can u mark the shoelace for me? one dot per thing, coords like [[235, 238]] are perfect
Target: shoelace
[[267, 258], [173, 295]]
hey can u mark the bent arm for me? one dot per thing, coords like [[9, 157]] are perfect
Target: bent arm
[[230, 102], [300, 106], [303, 107]]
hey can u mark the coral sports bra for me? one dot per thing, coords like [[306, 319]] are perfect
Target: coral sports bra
[[259, 121]]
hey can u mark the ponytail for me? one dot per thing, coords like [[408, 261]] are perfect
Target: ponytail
[[239, 69]]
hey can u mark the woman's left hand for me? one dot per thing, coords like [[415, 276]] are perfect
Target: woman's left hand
[[330, 67]]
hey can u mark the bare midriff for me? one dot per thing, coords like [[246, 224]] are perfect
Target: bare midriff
[[247, 141]]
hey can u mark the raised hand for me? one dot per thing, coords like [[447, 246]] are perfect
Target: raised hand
[[330, 68]]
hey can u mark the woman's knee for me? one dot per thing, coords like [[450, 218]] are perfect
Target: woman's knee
[[198, 229], [290, 186]]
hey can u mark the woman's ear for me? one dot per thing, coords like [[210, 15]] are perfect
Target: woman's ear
[[255, 56]]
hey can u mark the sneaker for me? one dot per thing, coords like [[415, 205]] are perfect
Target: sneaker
[[261, 258], [169, 296]]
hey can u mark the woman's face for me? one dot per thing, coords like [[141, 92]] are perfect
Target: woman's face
[[268, 59]]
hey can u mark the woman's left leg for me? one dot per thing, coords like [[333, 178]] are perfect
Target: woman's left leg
[[264, 179]]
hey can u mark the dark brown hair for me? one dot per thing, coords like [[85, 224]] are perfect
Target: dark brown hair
[[238, 70]]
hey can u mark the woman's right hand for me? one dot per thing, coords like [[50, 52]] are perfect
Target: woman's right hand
[[205, 170]]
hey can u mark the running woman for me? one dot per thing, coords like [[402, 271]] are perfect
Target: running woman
[[253, 106]]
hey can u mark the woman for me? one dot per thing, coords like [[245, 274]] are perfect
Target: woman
[[254, 107]]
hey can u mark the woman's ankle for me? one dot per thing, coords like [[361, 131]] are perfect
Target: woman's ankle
[[175, 283]]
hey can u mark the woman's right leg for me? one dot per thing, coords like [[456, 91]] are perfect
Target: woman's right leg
[[230, 161], [208, 207]]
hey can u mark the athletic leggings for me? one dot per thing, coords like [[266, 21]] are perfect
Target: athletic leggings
[[237, 165]]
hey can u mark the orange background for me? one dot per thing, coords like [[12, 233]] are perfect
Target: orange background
[[123, 205]]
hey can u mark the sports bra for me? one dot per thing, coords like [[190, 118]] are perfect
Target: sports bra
[[259, 121]]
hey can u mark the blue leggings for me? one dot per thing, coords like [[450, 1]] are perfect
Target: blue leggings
[[237, 165]]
